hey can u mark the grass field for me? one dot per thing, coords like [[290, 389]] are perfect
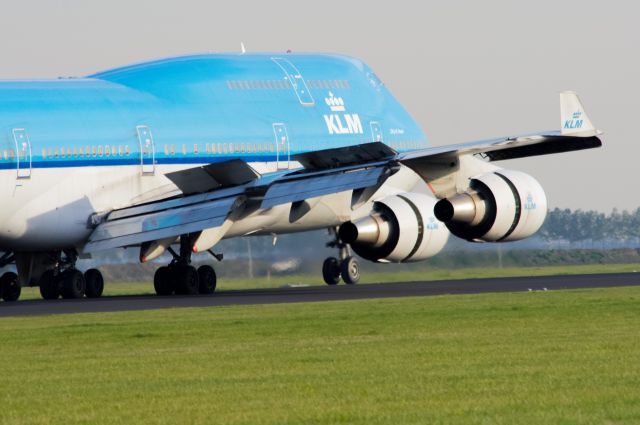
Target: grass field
[[557, 357], [224, 284]]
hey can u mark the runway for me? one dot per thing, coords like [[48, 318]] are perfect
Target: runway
[[319, 293]]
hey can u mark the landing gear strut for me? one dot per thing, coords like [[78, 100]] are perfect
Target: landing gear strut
[[67, 281], [180, 277], [345, 267]]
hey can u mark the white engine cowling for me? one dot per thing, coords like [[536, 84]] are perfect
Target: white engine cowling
[[501, 206], [401, 228]]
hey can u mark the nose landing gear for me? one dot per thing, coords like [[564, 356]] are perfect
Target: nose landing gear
[[345, 267]]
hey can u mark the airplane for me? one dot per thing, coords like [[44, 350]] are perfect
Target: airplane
[[174, 155]]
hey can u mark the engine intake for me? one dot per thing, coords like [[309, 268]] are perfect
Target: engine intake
[[505, 205]]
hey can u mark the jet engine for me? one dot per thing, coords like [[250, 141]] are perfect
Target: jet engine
[[401, 228], [500, 206]]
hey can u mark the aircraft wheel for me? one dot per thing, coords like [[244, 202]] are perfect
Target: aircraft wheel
[[94, 283], [10, 287], [49, 285], [163, 281], [207, 279], [331, 271], [186, 280], [350, 270], [73, 284]]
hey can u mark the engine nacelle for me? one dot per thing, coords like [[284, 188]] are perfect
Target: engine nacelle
[[504, 205], [401, 228]]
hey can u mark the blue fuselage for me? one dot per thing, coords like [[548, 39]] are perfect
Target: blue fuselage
[[200, 109]]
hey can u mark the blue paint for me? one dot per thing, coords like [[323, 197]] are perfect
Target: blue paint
[[198, 100]]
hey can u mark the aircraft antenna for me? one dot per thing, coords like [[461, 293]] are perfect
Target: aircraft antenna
[[242, 48]]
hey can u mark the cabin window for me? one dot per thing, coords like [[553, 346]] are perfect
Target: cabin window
[[207, 148], [127, 151], [107, 151], [99, 150], [247, 85], [166, 150], [229, 85], [184, 149], [81, 151], [213, 148], [173, 149]]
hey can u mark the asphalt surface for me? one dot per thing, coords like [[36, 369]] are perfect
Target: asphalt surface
[[319, 293]]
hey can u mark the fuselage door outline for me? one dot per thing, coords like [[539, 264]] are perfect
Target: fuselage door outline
[[296, 80], [147, 150], [23, 153], [376, 131], [283, 148]]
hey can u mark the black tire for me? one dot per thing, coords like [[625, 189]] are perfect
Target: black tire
[[350, 270], [186, 278], [94, 283], [163, 281], [49, 285], [73, 284], [331, 271], [10, 287], [207, 280]]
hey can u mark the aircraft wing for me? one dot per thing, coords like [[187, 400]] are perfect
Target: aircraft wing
[[195, 212], [212, 192]]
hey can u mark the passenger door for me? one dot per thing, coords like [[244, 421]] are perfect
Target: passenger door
[[147, 150], [22, 153]]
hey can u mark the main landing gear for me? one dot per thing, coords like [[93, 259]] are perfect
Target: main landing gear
[[181, 278], [65, 281], [345, 267], [9, 284]]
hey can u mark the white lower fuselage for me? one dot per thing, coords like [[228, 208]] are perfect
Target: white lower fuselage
[[52, 208]]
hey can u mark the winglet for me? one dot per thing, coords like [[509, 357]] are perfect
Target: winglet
[[574, 121]]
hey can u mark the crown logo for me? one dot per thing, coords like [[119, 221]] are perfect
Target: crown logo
[[335, 103], [576, 115]]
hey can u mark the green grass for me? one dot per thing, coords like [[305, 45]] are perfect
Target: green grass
[[225, 284], [557, 357]]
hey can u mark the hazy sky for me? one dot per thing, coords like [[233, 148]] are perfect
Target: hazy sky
[[466, 70]]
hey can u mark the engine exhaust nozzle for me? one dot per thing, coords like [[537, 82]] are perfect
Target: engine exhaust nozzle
[[372, 230], [464, 207]]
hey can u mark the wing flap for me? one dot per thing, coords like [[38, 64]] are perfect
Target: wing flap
[[134, 230], [301, 187]]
